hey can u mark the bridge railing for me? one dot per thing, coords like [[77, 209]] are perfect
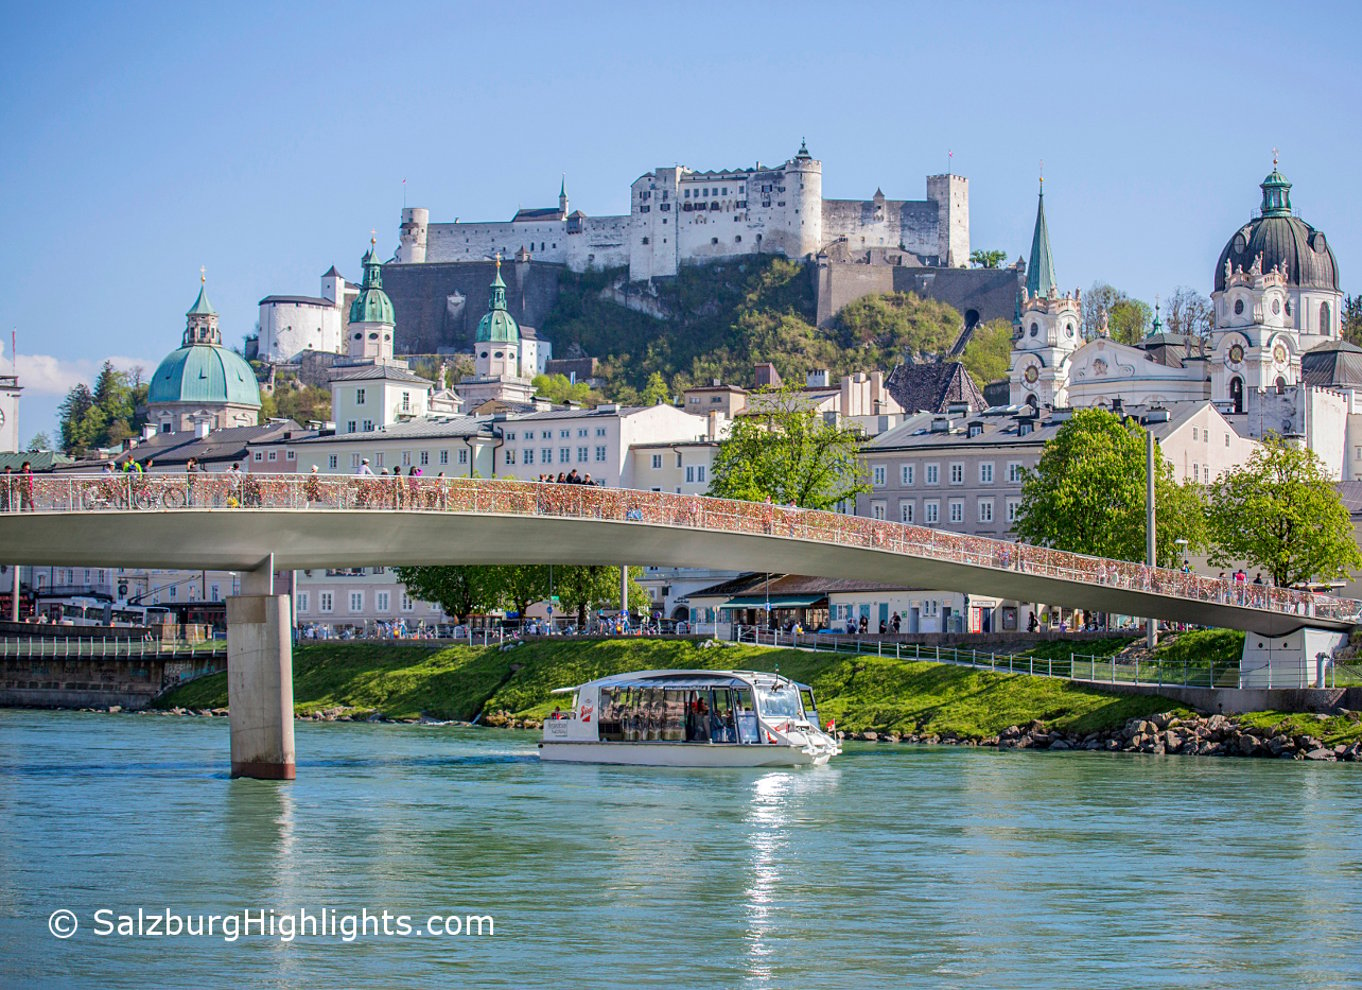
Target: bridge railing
[[317, 492]]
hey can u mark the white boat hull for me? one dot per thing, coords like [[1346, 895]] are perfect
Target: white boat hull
[[669, 754]]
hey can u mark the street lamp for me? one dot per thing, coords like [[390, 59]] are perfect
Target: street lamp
[[1181, 542]]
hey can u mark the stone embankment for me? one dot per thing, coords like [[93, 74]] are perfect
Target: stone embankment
[[1166, 733]]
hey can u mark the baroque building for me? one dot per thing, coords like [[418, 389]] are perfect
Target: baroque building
[[202, 385], [680, 216]]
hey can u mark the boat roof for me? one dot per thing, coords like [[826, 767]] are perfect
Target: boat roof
[[683, 679]]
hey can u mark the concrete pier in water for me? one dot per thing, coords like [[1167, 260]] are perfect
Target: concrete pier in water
[[260, 678]]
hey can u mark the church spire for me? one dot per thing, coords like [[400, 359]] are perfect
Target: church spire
[[1040, 273], [201, 322], [562, 196]]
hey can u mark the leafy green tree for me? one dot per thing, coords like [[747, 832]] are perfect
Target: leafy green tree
[[980, 258], [1087, 494], [105, 415], [1352, 319], [559, 388], [518, 586], [40, 442], [300, 403], [788, 453], [583, 588], [655, 392], [461, 590], [80, 425], [1281, 513], [1129, 321], [988, 355], [901, 323]]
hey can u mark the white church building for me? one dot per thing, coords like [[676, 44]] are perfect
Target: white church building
[[1274, 361]]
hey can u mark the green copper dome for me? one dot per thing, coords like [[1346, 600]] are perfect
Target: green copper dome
[[372, 305], [498, 326], [204, 373]]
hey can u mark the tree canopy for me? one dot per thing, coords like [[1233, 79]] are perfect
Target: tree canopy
[[463, 590], [788, 453], [980, 258], [107, 414], [988, 355], [1087, 494], [560, 388], [1281, 513], [300, 403], [1352, 319]]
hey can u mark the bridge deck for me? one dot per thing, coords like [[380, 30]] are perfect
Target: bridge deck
[[308, 521]]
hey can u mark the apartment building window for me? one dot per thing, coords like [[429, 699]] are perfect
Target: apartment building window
[[583, 453], [510, 455], [354, 460], [368, 426], [1196, 472], [986, 473], [381, 600], [600, 454], [529, 455], [350, 426], [463, 456], [546, 456], [957, 473], [356, 601], [1013, 507], [906, 514], [933, 474], [582, 432], [678, 458], [303, 600], [406, 458], [878, 474], [564, 454], [259, 455], [957, 509], [1194, 433], [564, 434], [1014, 473], [331, 462], [931, 512], [444, 457], [359, 396], [546, 435], [217, 595], [906, 474], [324, 601], [424, 458], [274, 455], [986, 510], [600, 431], [690, 474], [700, 473], [378, 459], [407, 604], [657, 462]]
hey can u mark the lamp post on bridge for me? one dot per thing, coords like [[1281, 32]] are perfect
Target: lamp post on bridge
[[1152, 624]]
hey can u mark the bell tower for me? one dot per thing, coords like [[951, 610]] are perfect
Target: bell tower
[[1047, 330]]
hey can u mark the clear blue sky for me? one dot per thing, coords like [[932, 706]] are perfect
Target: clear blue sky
[[264, 141]]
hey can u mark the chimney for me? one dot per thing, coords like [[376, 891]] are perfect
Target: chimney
[[202, 428], [817, 379]]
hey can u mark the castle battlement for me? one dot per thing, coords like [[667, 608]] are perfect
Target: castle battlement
[[681, 216]]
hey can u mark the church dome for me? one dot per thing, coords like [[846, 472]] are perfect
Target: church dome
[[202, 371], [372, 305], [498, 325], [205, 374], [1283, 240]]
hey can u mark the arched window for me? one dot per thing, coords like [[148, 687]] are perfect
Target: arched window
[[1326, 323], [1237, 393], [1281, 385], [1032, 401]]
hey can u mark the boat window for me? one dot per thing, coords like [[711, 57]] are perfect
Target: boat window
[[810, 706], [778, 700]]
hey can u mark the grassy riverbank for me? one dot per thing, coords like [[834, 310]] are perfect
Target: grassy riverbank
[[861, 692]]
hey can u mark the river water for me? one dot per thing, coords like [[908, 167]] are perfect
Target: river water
[[894, 866]]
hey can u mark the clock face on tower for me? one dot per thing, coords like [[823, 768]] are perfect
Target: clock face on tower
[[1279, 354], [1236, 353], [1031, 375]]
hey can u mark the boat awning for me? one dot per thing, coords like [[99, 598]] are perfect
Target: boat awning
[[777, 601]]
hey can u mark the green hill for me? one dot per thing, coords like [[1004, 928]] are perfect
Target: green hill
[[718, 320], [865, 692]]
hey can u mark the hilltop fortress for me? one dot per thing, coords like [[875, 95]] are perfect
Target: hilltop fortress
[[678, 216]]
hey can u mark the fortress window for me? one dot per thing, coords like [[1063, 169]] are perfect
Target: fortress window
[[714, 240], [738, 239], [645, 240]]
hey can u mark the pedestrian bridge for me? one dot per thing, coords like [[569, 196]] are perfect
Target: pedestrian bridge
[[225, 522], [258, 524]]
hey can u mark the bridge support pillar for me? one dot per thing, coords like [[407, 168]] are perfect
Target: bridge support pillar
[[1290, 661], [260, 679]]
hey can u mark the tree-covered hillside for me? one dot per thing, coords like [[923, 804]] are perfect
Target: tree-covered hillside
[[721, 319]]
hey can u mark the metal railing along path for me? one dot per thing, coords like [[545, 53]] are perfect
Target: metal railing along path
[[94, 647], [321, 493], [1075, 667]]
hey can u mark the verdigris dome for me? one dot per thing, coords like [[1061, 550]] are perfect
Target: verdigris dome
[[204, 373], [498, 325], [372, 305], [1282, 240]]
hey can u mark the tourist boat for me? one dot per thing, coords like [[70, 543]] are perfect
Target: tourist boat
[[689, 718]]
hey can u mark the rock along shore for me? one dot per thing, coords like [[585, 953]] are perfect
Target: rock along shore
[[1167, 733]]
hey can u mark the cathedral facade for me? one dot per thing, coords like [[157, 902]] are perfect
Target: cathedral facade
[[1274, 361]]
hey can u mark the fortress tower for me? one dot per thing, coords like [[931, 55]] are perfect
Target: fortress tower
[[951, 195], [804, 217], [411, 249]]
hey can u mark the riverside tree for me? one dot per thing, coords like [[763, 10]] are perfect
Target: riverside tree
[[461, 590], [786, 453], [1087, 494], [1281, 513]]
